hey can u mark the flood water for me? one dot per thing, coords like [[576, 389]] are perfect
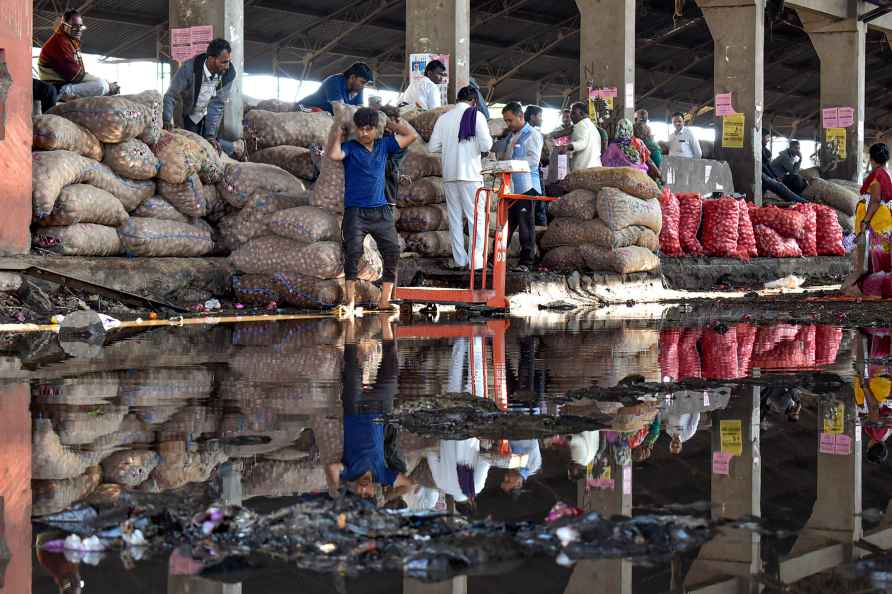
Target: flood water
[[774, 425]]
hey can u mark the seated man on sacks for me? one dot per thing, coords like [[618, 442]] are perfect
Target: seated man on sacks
[[366, 211], [771, 180], [61, 64], [202, 86]]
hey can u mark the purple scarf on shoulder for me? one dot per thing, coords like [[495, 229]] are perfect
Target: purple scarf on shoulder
[[467, 129]]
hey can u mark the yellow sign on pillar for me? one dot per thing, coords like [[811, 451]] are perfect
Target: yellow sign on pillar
[[731, 433], [837, 135], [733, 130]]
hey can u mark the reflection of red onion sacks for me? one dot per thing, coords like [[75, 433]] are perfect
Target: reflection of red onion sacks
[[787, 352], [688, 355], [827, 340], [669, 353], [720, 354], [746, 340]]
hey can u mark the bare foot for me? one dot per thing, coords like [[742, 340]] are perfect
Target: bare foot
[[387, 306]]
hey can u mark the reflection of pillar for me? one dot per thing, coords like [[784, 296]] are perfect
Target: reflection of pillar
[[736, 491], [841, 46], [442, 27], [607, 49], [608, 575], [457, 585], [835, 522], [15, 487], [182, 584], [738, 29]]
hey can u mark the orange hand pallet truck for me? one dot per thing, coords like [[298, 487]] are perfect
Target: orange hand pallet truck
[[491, 295]]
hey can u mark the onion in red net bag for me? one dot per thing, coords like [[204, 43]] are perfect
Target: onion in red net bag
[[670, 244], [721, 219], [788, 223], [828, 237], [690, 207], [688, 355], [720, 354], [772, 245], [669, 351], [746, 340], [827, 341], [746, 239], [808, 243]]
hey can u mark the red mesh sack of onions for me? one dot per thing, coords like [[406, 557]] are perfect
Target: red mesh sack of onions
[[828, 237], [746, 239], [788, 223], [721, 219], [772, 245], [808, 243], [690, 206], [670, 243]]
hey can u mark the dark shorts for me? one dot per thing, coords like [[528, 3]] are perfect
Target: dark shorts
[[379, 223]]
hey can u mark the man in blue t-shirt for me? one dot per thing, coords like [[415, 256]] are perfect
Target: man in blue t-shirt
[[346, 88], [366, 211]]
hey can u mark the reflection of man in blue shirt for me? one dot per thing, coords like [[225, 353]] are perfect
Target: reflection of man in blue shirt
[[346, 88]]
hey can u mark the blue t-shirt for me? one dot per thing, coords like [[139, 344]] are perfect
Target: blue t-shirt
[[364, 172], [364, 449], [334, 88]]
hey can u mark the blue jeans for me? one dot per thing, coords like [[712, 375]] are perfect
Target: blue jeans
[[198, 128]]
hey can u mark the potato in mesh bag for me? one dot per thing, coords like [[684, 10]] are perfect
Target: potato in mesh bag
[[111, 119], [52, 132], [158, 237], [132, 159]]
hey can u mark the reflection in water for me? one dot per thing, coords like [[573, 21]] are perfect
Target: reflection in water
[[269, 411]]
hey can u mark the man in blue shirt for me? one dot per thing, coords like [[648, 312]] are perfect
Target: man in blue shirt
[[366, 211], [346, 88]]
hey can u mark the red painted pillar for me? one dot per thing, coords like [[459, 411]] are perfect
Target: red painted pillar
[[15, 126], [15, 485]]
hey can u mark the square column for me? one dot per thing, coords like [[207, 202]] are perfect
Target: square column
[[607, 50], [441, 27], [227, 17], [841, 47], [738, 30]]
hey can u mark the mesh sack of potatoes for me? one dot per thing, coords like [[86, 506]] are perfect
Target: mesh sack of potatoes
[[578, 204], [276, 105], [563, 231], [80, 239], [298, 290], [180, 157], [52, 132], [264, 129], [422, 192], [497, 127], [130, 192], [154, 105], [306, 224], [627, 179], [619, 210], [836, 196], [160, 238], [318, 362], [433, 244], [323, 259], [52, 171], [210, 168], [132, 159], [424, 121], [244, 181], [293, 159], [253, 220], [328, 190], [415, 219], [190, 197], [343, 115], [564, 258], [111, 119], [53, 496], [417, 164], [596, 232], [80, 203], [157, 207], [625, 260], [255, 289], [129, 467]]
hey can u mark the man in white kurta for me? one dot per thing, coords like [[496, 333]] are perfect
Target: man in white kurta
[[424, 92], [462, 175]]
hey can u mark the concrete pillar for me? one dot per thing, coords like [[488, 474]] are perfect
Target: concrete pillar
[[15, 489], [456, 585], [733, 556], [841, 47], [441, 27], [15, 126], [738, 29], [228, 19], [607, 50]]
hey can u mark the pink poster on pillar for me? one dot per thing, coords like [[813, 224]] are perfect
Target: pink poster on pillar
[[721, 463], [846, 117], [830, 117], [723, 105]]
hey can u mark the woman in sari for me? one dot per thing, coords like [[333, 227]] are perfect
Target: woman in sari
[[873, 218], [628, 151]]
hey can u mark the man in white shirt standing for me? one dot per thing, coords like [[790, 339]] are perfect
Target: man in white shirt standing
[[424, 92], [585, 141], [461, 136], [682, 142]]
